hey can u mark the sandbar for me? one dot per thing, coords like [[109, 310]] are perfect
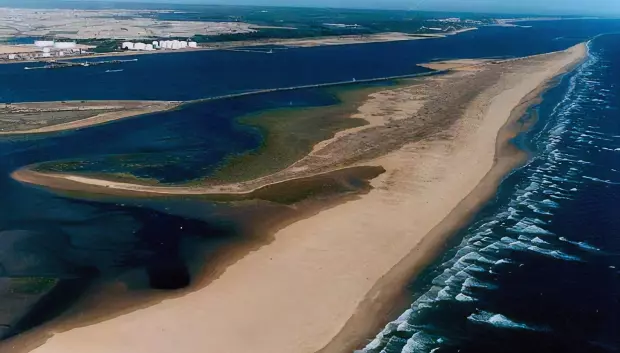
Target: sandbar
[[325, 282]]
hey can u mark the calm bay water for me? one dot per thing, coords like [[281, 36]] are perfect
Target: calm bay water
[[538, 270], [45, 234], [186, 76]]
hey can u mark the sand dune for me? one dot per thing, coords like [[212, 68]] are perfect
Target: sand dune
[[324, 278]]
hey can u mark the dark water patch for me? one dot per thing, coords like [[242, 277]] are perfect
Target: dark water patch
[[49, 305]]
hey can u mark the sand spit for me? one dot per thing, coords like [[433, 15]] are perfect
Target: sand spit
[[324, 276], [44, 117], [460, 64]]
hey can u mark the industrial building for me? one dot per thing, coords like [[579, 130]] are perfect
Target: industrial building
[[162, 44]]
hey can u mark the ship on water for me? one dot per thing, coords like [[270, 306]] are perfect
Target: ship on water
[[66, 64]]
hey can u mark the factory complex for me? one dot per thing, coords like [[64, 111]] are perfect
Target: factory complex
[[41, 49], [162, 45]]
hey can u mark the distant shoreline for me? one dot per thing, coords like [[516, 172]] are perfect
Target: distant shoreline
[[104, 112], [301, 42]]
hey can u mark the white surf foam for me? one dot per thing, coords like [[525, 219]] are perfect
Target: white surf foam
[[601, 180], [498, 320], [582, 244]]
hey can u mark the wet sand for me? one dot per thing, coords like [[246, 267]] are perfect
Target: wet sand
[[333, 274]]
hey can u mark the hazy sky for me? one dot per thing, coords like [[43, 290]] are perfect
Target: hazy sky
[[603, 7]]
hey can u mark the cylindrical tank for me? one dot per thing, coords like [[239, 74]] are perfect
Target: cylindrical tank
[[46, 50], [139, 46], [149, 47], [44, 43], [155, 44], [183, 44], [192, 45], [127, 45]]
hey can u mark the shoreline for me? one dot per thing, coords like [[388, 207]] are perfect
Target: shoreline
[[364, 322], [105, 111], [363, 325], [383, 37], [330, 265]]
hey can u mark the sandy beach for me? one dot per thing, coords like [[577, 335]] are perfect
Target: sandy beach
[[328, 282]]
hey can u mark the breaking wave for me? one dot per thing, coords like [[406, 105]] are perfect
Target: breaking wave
[[499, 321]]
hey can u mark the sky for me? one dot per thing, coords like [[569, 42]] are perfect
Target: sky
[[557, 7], [586, 7]]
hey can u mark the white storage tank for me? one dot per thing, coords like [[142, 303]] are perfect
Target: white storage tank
[[127, 45], [168, 44], [139, 46], [46, 50], [183, 44], [149, 47], [192, 45], [44, 43], [64, 45]]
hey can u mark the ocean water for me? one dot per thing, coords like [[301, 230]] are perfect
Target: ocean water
[[538, 270]]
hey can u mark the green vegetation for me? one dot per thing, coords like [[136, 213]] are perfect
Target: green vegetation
[[289, 22], [102, 45], [290, 134], [32, 285]]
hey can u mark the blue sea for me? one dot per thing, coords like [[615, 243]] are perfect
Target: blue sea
[[538, 270]]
